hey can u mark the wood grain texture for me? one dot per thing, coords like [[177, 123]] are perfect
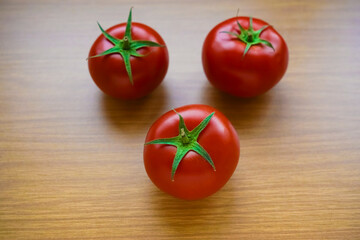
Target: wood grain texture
[[71, 158]]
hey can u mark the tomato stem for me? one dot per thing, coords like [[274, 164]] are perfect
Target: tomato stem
[[126, 43], [186, 141], [126, 47], [184, 137], [249, 36]]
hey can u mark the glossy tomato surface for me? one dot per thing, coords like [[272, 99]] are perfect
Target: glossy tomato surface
[[109, 73], [194, 177], [260, 69]]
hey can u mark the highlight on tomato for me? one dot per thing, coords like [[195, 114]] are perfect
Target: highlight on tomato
[[128, 60], [244, 56], [191, 152]]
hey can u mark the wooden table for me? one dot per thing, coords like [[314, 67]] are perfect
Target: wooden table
[[71, 162]]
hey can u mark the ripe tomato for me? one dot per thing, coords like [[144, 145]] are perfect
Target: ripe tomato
[[244, 57], [191, 152], [129, 60]]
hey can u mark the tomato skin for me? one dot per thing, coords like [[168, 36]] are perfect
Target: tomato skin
[[254, 74], [109, 73], [194, 178]]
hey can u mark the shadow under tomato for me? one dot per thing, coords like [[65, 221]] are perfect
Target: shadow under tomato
[[191, 217], [244, 113], [127, 115]]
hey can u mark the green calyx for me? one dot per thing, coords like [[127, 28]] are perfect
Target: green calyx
[[249, 36], [186, 141], [126, 47]]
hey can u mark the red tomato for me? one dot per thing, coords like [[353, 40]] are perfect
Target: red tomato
[[240, 71], [109, 72], [200, 171]]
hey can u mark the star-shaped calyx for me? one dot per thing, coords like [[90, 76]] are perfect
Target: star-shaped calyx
[[249, 36], [186, 141], [126, 47]]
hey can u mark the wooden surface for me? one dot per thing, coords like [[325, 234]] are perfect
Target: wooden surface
[[71, 158]]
